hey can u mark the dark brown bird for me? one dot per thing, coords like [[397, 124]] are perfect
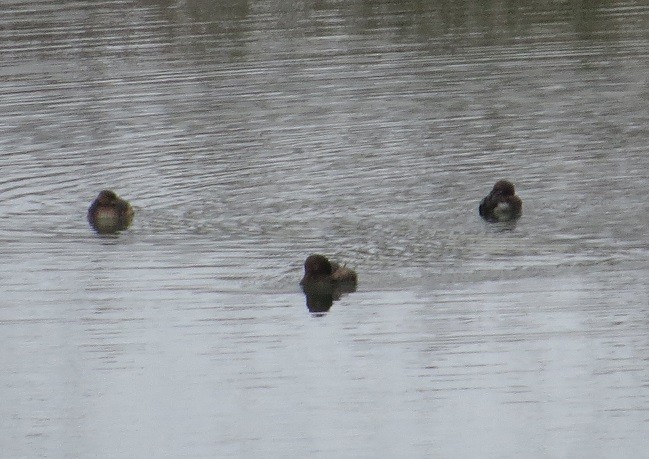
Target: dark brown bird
[[324, 282], [502, 204], [109, 213], [318, 268]]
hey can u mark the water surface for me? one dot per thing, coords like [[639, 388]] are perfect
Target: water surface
[[250, 134]]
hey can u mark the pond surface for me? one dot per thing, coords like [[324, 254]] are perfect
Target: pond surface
[[250, 134]]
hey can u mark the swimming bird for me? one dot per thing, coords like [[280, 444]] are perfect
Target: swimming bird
[[318, 269], [502, 204], [324, 282], [109, 213]]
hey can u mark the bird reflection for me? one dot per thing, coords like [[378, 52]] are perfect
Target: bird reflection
[[320, 297], [325, 282], [318, 303]]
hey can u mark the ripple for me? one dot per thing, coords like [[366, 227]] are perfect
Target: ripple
[[248, 135]]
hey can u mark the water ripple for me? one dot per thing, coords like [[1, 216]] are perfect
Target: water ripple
[[248, 135]]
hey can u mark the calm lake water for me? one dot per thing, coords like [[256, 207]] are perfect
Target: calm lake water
[[250, 134]]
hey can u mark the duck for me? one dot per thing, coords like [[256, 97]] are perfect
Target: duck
[[318, 269], [502, 204], [109, 213]]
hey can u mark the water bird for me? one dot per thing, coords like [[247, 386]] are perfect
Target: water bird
[[324, 282], [109, 213], [502, 204], [318, 269]]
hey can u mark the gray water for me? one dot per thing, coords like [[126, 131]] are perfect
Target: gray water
[[249, 134]]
